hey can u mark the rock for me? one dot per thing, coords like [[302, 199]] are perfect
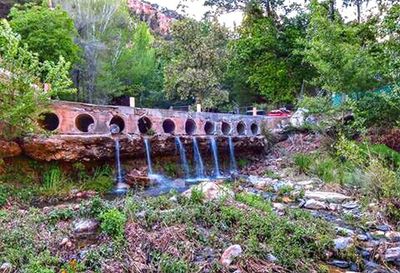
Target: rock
[[332, 197], [9, 149], [211, 191], [314, 204], [333, 207], [344, 231], [343, 243], [259, 182], [340, 263], [137, 178], [271, 258], [362, 237], [279, 206], [141, 214], [350, 205], [230, 254], [383, 227], [64, 241], [297, 119], [393, 236], [392, 254], [122, 186], [6, 268], [85, 226], [377, 234]]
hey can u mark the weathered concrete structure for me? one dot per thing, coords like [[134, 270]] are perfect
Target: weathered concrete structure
[[82, 132], [68, 118]]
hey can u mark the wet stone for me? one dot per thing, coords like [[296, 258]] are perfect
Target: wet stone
[[85, 226], [343, 243]]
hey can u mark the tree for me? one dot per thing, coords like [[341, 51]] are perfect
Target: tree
[[48, 32], [131, 70], [341, 53], [264, 66], [26, 84], [269, 6], [197, 62]]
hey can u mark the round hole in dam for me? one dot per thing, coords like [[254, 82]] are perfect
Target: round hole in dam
[[226, 128], [118, 121], [49, 121], [241, 128], [254, 129], [144, 125], [190, 127], [209, 127], [168, 126], [84, 123]]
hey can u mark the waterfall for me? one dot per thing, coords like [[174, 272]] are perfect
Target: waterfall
[[148, 155], [214, 150], [198, 160], [118, 161], [233, 166], [182, 154]]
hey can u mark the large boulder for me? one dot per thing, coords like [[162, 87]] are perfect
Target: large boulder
[[332, 197]]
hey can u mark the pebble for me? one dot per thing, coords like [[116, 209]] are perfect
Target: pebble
[[314, 204], [343, 243], [6, 267], [230, 254], [393, 236], [392, 254], [85, 226]]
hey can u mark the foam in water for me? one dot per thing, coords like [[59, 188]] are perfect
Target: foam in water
[[148, 156], [233, 166], [198, 160], [214, 150], [182, 154]]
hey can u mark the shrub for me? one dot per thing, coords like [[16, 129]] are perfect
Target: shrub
[[303, 162], [101, 180], [53, 181], [173, 265], [316, 105], [113, 222]]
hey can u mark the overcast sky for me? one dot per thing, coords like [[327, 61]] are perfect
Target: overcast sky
[[196, 9]]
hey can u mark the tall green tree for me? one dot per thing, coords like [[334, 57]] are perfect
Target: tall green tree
[[26, 83], [197, 62], [264, 65], [48, 32], [341, 53]]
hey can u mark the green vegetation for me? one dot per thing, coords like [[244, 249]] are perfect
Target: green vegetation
[[113, 222]]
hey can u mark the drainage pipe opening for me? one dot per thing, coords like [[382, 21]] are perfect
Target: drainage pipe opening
[[190, 127], [209, 128], [254, 129], [226, 128], [118, 121], [241, 128], [168, 126], [49, 121], [84, 123], [144, 125]]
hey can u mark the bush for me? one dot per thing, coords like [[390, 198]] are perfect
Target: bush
[[316, 105], [303, 162], [113, 222]]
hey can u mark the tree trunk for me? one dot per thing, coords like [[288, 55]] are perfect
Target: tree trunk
[[331, 10], [358, 4]]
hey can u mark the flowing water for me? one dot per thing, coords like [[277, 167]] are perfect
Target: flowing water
[[233, 166], [182, 155], [148, 156], [214, 149], [198, 160], [118, 161]]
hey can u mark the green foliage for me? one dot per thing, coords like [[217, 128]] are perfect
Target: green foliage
[[22, 83], [171, 169], [302, 162], [170, 264], [378, 110], [100, 181], [48, 32], [113, 222], [197, 57], [341, 53], [316, 105], [254, 201]]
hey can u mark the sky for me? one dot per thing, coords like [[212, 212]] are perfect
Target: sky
[[196, 10]]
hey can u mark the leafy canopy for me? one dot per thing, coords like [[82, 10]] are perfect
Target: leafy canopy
[[26, 84], [48, 32]]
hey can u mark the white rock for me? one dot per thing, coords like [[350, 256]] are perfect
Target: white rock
[[230, 254], [343, 243], [64, 241], [393, 236], [297, 119], [259, 182], [6, 268], [211, 191], [279, 206], [332, 197], [392, 254], [350, 205], [85, 226], [314, 204]]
